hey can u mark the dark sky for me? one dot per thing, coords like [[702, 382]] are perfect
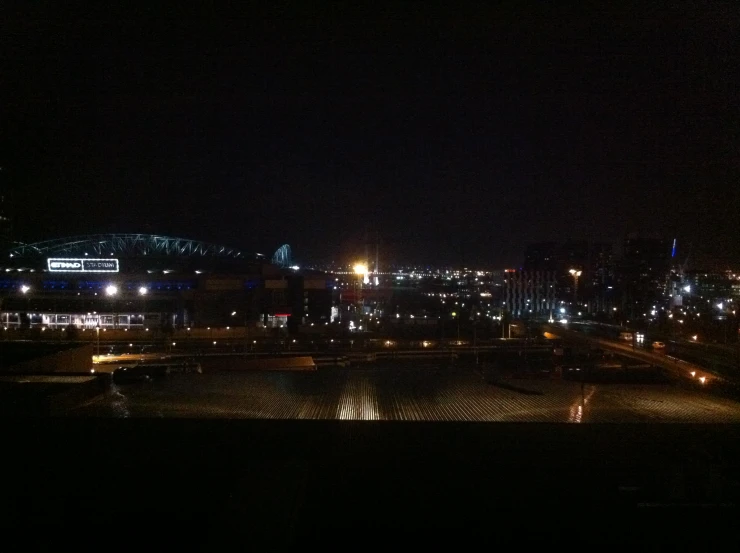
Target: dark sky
[[459, 135]]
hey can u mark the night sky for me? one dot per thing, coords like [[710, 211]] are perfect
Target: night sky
[[457, 136]]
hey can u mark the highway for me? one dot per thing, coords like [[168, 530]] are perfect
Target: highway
[[679, 368]]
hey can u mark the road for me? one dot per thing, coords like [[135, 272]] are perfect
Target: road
[[675, 366]]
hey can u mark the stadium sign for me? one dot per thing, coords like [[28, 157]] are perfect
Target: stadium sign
[[83, 265]]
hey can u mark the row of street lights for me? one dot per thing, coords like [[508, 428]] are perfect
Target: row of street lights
[[110, 290]]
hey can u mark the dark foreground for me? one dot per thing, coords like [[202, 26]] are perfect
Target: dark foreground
[[242, 484], [423, 456]]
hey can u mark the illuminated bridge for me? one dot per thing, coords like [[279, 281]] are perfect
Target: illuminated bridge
[[127, 246]]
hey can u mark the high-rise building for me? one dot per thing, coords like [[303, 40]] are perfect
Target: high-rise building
[[643, 271], [529, 293], [602, 263], [541, 256], [706, 285], [575, 255], [592, 261]]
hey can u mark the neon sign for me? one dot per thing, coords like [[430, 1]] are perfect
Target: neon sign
[[67, 265]]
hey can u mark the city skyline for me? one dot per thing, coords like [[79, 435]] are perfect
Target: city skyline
[[459, 137]]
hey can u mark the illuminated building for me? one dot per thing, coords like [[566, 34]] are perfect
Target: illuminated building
[[529, 293], [141, 280]]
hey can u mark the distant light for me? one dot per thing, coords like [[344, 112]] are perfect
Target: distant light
[[360, 269], [233, 313], [702, 379], [174, 344], [562, 309], [693, 373], [214, 342], [720, 305], [111, 290], [695, 337], [143, 290], [563, 321], [295, 267], [25, 288], [687, 288]]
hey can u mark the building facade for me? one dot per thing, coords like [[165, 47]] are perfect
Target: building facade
[[154, 282], [530, 293]]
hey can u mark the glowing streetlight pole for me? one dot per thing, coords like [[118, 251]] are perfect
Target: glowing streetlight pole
[[575, 274], [25, 288], [360, 269], [111, 290]]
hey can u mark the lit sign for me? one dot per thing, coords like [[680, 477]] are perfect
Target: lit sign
[[57, 265]]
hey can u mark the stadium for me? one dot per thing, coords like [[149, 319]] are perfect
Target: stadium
[[136, 281]]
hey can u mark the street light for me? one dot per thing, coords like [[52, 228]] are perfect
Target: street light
[[361, 269], [575, 273], [246, 331], [143, 291], [111, 290]]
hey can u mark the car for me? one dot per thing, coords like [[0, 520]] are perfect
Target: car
[[658, 345], [128, 375]]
